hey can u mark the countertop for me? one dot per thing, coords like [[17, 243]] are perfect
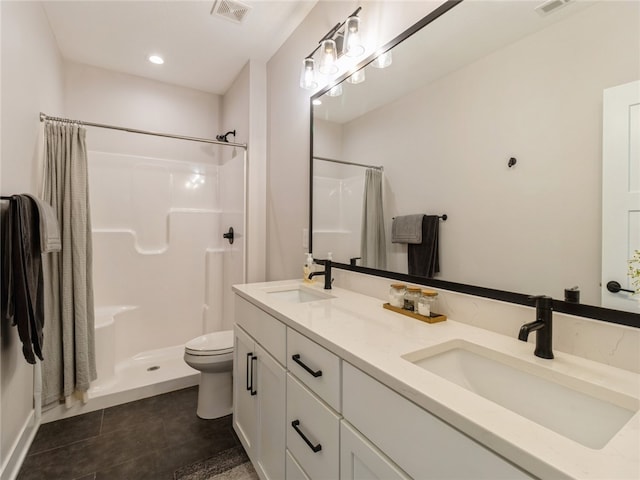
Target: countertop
[[357, 328]]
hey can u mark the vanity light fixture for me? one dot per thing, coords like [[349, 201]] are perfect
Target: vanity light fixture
[[342, 39], [156, 59], [308, 74]]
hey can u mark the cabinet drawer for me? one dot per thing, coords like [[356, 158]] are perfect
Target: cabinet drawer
[[265, 329], [420, 443], [315, 366], [294, 470], [314, 440]]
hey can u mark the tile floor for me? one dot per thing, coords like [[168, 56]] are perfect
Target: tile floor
[[154, 438]]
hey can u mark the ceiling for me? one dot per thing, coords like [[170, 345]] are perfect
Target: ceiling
[[201, 51]]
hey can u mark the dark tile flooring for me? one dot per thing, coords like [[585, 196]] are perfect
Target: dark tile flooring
[[146, 439]]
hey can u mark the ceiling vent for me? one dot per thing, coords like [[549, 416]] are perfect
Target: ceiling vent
[[551, 6], [230, 10]]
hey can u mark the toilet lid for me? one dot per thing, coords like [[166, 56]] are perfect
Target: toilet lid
[[216, 343]]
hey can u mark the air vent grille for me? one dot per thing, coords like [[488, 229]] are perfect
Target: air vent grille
[[230, 10], [551, 6]]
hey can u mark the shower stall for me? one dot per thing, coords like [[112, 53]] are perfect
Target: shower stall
[[162, 267]]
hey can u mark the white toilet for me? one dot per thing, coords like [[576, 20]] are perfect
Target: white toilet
[[212, 355]]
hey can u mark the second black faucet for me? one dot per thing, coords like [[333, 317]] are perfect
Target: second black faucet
[[327, 273]]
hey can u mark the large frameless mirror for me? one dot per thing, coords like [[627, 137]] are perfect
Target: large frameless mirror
[[516, 123]]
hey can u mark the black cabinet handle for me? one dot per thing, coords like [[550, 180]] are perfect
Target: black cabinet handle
[[296, 358], [315, 448], [249, 376], [253, 391], [615, 287]]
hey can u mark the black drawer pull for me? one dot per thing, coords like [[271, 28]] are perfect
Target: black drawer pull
[[315, 448], [296, 358], [249, 387], [253, 391]]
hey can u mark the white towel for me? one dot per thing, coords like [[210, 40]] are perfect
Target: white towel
[[407, 229], [50, 240]]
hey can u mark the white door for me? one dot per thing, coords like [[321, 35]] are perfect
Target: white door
[[245, 421], [360, 460], [620, 191], [271, 395]]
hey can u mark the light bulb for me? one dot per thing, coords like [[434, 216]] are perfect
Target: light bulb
[[383, 60], [328, 57], [308, 74], [352, 43], [357, 77], [335, 91], [157, 59]]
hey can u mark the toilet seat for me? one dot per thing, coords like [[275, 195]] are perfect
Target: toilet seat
[[211, 344]]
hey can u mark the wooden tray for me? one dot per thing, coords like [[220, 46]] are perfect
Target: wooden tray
[[434, 318]]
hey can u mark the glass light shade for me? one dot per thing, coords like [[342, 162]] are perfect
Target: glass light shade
[[328, 57], [308, 74], [335, 91], [357, 77], [383, 60], [352, 46]]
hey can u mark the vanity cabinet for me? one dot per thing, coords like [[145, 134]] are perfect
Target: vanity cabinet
[[303, 413], [259, 389], [418, 442]]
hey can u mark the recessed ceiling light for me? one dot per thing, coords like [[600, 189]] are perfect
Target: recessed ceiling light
[[317, 101], [157, 59]]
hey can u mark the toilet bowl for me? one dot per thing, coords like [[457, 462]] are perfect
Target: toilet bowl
[[212, 355]]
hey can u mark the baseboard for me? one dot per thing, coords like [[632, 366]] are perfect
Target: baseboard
[[18, 452]]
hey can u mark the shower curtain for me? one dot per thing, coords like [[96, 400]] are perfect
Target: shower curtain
[[69, 353], [373, 249]]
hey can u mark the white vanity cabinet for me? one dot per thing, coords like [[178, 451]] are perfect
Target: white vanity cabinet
[[259, 388], [418, 442]]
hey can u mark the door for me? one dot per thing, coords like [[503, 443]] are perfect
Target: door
[[244, 403], [620, 191], [360, 460], [271, 397]]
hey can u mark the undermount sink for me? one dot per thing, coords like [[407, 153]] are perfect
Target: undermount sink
[[297, 294], [586, 413]]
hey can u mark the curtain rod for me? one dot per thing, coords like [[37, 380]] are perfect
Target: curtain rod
[[381, 168], [44, 116]]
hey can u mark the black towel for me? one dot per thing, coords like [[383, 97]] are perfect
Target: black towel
[[423, 258], [22, 281]]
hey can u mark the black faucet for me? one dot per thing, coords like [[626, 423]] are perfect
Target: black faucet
[[326, 273], [542, 326]]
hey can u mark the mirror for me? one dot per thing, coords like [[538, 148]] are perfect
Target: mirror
[[493, 115]]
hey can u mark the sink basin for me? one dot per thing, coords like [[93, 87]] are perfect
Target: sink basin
[[586, 413], [297, 294]]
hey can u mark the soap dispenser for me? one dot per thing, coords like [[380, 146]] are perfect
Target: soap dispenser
[[307, 268]]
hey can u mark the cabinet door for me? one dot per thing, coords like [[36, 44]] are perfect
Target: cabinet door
[[270, 394], [244, 403], [360, 460]]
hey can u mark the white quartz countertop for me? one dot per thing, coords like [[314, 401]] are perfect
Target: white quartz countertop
[[358, 329]]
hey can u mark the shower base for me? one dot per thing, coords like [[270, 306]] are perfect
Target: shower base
[[144, 375]]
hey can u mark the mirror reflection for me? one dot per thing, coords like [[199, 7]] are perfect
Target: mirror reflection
[[516, 123]]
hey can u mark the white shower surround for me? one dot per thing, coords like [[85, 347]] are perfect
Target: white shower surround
[[161, 266]]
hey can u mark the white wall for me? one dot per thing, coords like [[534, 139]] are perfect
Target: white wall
[[289, 123], [31, 82], [459, 165]]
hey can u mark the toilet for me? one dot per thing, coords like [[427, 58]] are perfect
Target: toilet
[[212, 355]]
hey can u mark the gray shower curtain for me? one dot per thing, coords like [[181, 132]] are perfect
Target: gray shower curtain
[[69, 351], [373, 247]]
